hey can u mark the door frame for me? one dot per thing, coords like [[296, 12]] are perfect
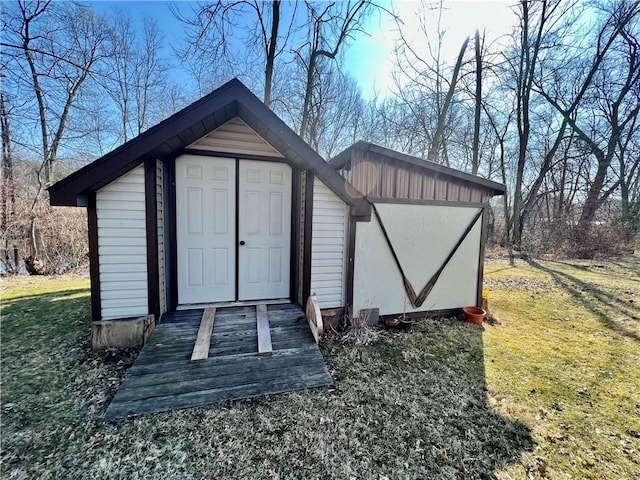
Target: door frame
[[300, 242]]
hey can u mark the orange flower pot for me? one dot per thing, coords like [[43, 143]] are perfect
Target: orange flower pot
[[474, 314]]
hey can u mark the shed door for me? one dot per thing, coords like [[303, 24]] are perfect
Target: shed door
[[264, 230], [215, 265], [205, 223]]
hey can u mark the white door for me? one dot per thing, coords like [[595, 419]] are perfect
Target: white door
[[205, 223], [209, 253], [264, 230]]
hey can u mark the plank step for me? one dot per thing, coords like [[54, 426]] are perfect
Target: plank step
[[264, 330], [203, 340]]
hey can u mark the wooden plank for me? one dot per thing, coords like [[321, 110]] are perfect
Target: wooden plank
[[118, 410], [309, 350], [264, 331], [233, 366], [247, 377], [203, 340], [314, 317]]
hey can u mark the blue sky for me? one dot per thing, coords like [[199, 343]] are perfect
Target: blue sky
[[369, 58]]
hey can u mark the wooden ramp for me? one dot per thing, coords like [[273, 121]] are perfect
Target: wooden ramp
[[164, 378]]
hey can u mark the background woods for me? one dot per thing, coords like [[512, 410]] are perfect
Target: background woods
[[550, 108]]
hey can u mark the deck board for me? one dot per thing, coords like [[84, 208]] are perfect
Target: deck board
[[203, 338], [264, 331], [163, 377]]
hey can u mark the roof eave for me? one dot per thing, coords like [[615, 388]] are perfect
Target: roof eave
[[168, 138]]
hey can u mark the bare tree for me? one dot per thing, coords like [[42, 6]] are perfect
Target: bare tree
[[214, 27], [51, 50], [120, 64], [435, 146], [331, 26], [135, 76], [10, 256], [536, 21], [478, 104], [617, 100]]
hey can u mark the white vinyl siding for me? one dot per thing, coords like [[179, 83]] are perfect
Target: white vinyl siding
[[122, 246], [328, 246], [236, 137]]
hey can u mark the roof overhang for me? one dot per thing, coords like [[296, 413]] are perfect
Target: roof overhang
[[170, 137]]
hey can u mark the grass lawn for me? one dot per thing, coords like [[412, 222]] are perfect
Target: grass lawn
[[550, 390]]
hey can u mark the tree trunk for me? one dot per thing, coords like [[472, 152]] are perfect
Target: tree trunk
[[525, 75], [10, 250], [432, 155], [475, 162], [271, 52], [349, 22]]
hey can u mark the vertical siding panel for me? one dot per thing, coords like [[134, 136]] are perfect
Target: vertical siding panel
[[303, 188], [122, 246], [441, 189], [371, 173], [328, 249], [453, 191], [464, 194], [402, 182], [415, 184], [428, 188], [356, 177], [387, 189], [379, 174]]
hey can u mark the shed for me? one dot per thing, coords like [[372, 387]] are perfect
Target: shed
[[423, 250], [223, 204]]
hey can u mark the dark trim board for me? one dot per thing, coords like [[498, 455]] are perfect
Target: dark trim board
[[448, 312], [433, 203], [151, 217], [308, 234], [94, 261], [483, 241], [172, 273], [166, 234], [296, 240], [351, 257], [243, 156]]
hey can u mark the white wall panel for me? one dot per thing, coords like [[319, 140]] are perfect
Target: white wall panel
[[328, 247], [122, 246], [422, 236]]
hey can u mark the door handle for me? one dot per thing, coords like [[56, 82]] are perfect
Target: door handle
[[241, 242]]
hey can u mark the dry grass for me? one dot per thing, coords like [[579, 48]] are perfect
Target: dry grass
[[566, 362], [538, 396]]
